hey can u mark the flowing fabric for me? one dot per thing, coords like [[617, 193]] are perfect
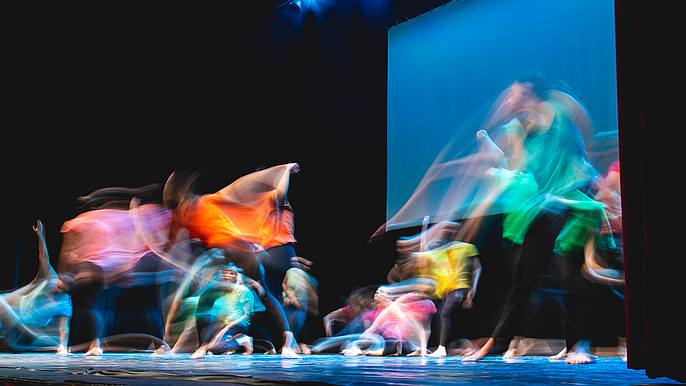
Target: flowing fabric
[[252, 209], [108, 238], [455, 184], [554, 163]]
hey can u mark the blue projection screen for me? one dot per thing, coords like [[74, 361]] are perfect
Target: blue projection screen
[[448, 65]]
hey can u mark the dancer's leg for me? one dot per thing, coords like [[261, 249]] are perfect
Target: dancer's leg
[[450, 301], [530, 259], [86, 291], [577, 298], [276, 261]]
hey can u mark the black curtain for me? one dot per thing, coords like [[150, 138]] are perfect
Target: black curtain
[[650, 121]]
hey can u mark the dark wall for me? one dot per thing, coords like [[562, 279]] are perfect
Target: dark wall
[[122, 94]]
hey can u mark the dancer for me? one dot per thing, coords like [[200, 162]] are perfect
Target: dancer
[[352, 318], [36, 316], [224, 312], [300, 299], [101, 248], [242, 219], [545, 140], [456, 269], [402, 322]]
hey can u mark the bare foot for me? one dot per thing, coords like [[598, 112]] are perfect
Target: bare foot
[[352, 352], [579, 358], [375, 353], [580, 353], [559, 356], [61, 350], [419, 353], [289, 353], [95, 351], [510, 353], [440, 352], [485, 350], [305, 349], [465, 349], [199, 353]]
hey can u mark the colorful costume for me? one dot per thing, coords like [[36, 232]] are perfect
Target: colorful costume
[[449, 266], [249, 211], [108, 238]]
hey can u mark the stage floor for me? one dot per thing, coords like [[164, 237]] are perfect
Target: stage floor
[[261, 369]]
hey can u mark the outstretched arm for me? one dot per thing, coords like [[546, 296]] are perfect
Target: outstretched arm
[[44, 268], [282, 186], [333, 316]]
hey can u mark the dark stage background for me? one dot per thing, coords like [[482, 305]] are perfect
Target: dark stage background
[[123, 93]]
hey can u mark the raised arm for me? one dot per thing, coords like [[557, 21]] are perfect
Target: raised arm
[[282, 186], [45, 270]]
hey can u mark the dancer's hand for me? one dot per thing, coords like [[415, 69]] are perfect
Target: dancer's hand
[[38, 228], [481, 134]]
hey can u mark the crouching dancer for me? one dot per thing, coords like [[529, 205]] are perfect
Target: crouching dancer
[[223, 315]]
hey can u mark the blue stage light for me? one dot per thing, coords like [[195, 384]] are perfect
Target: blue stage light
[[307, 5], [303, 5]]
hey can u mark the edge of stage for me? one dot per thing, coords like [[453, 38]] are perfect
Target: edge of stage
[[262, 369]]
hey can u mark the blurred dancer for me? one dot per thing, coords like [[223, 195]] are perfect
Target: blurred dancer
[[101, 248], [401, 322], [352, 318], [36, 316], [545, 140], [456, 270], [225, 311], [243, 219], [300, 299]]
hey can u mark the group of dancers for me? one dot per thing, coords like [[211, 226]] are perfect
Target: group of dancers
[[218, 273]]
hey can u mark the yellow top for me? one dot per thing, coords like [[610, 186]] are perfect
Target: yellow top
[[449, 265]]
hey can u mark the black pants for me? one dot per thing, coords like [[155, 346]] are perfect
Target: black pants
[[451, 300], [84, 296], [528, 261], [577, 303], [276, 261], [575, 294]]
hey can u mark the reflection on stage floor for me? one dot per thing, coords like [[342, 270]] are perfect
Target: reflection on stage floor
[[179, 369]]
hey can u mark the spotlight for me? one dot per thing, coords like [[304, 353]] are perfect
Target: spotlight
[[303, 5], [306, 5]]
